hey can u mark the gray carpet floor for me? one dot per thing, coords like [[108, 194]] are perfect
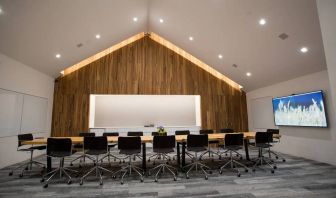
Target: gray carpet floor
[[297, 177]]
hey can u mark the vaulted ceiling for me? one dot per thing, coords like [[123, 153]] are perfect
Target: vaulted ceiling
[[34, 31]]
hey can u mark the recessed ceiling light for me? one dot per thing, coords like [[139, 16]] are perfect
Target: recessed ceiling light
[[304, 49], [62, 72], [248, 74], [161, 20], [220, 56], [262, 21], [191, 38], [135, 19], [97, 36], [58, 56]]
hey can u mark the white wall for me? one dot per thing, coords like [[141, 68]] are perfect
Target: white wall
[[312, 143], [18, 77]]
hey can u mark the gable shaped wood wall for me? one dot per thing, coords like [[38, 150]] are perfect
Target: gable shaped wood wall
[[145, 67]]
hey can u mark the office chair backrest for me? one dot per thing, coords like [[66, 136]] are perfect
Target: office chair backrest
[[129, 143], [227, 130], [263, 138], [24, 137], [182, 132], [164, 142], [274, 131], [59, 145], [86, 134], [236, 139], [197, 140], [107, 134], [206, 131], [135, 133], [95, 143]]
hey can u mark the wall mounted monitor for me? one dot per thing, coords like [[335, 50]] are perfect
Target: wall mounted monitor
[[305, 109]]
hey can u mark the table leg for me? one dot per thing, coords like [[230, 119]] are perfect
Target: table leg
[[183, 153], [246, 141], [144, 156], [49, 164], [178, 154]]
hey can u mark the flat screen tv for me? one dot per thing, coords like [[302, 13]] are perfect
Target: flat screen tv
[[305, 109]]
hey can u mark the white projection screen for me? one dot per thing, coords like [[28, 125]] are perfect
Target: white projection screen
[[141, 110]]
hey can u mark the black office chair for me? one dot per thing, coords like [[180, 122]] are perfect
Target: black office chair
[[110, 146], [129, 146], [228, 130], [81, 147], [59, 148], [163, 145], [135, 133], [274, 141], [209, 151], [196, 144], [184, 132], [159, 155], [26, 148], [96, 146], [233, 142], [262, 141]]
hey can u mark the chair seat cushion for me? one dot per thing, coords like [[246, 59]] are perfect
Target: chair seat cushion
[[197, 149], [95, 152], [78, 146], [129, 151], [163, 150]]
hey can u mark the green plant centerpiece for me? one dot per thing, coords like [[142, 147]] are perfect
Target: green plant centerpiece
[[161, 130]]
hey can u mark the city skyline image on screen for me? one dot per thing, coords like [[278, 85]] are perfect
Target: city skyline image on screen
[[306, 109]]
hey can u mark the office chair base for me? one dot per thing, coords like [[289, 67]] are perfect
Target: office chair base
[[161, 168], [277, 155], [128, 169], [99, 172], [28, 166], [159, 156], [226, 154], [197, 164], [109, 155], [263, 160], [61, 170], [233, 163], [211, 154], [83, 156]]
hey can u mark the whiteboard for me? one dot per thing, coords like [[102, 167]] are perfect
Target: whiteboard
[[262, 113], [22, 113], [141, 110]]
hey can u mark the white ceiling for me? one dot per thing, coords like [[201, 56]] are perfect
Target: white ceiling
[[33, 31]]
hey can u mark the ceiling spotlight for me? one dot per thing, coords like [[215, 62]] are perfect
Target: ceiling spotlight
[[304, 49], [262, 21], [161, 20], [220, 56], [191, 38], [58, 56], [97, 36], [135, 19], [248, 74]]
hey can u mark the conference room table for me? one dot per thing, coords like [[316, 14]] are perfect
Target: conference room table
[[180, 140]]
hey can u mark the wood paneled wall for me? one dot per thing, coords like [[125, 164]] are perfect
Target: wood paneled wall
[[145, 67]]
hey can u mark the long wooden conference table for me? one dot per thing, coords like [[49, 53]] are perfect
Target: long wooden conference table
[[180, 140]]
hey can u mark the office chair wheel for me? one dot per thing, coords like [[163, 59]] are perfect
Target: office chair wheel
[[253, 170], [175, 178], [206, 177], [149, 173], [276, 157], [241, 158], [220, 172], [123, 161], [156, 180], [21, 175], [169, 159], [187, 176], [26, 168], [148, 160], [210, 172], [42, 180], [176, 173], [81, 182], [141, 180], [121, 182], [45, 186], [113, 177], [238, 175], [167, 162], [173, 158], [275, 167], [71, 164], [246, 170], [272, 171], [101, 183], [10, 173], [115, 159], [153, 163], [69, 182], [80, 166], [284, 160]]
